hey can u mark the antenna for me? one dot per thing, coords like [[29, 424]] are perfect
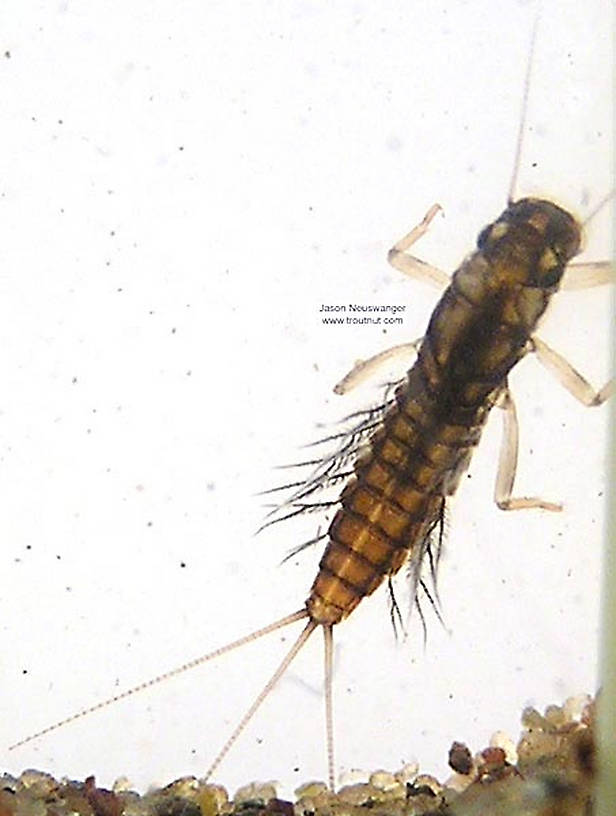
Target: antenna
[[523, 112], [598, 207]]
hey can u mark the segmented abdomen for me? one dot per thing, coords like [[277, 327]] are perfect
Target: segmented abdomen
[[393, 501], [478, 331]]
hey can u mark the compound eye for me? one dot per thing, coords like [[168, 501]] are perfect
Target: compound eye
[[492, 233], [483, 237], [549, 269]]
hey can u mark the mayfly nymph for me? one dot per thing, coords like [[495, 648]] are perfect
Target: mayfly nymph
[[413, 460], [413, 457]]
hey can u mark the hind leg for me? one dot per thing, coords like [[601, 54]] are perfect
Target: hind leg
[[366, 369], [508, 462]]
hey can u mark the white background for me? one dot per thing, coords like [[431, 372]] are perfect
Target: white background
[[182, 185]]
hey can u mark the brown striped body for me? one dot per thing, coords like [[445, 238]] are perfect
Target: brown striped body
[[482, 325], [478, 331]]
